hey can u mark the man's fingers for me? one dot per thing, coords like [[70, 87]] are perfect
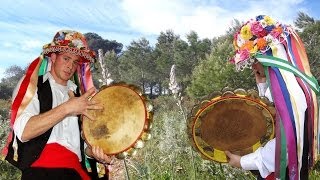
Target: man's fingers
[[70, 93], [228, 153], [95, 107], [90, 92], [88, 116]]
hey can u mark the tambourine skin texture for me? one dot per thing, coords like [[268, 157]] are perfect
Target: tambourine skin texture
[[120, 125], [237, 121]]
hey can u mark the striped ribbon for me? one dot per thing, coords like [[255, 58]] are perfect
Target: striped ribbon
[[284, 108], [24, 96], [282, 64]]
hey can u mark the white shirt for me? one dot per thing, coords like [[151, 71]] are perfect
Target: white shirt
[[66, 132]]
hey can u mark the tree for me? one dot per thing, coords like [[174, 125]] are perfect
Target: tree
[[303, 20], [164, 57], [12, 76], [215, 73], [137, 65], [96, 42], [187, 55]]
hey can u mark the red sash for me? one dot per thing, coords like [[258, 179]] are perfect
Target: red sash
[[56, 156]]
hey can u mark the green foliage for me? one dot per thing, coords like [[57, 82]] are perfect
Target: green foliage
[[215, 73], [7, 171], [136, 65], [187, 55]]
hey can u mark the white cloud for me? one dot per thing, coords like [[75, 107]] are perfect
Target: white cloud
[[29, 45], [208, 20]]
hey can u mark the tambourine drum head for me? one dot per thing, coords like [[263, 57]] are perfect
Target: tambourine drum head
[[237, 124], [232, 126], [118, 126]]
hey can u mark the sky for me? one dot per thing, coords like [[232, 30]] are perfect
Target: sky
[[25, 26]]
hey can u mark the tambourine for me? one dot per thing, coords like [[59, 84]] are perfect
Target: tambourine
[[238, 121], [123, 125]]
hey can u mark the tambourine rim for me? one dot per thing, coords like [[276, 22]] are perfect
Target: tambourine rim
[[219, 99], [144, 124]]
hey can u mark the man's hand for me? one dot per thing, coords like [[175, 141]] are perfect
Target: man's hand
[[81, 105], [234, 160], [97, 153], [258, 71]]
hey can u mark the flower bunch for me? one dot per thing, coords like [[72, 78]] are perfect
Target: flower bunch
[[255, 36]]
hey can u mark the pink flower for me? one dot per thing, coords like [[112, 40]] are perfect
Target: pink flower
[[256, 27], [276, 31], [244, 54], [241, 55]]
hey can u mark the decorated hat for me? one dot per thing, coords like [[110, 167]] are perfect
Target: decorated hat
[[256, 36], [71, 42]]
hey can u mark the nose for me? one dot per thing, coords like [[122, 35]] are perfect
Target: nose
[[70, 64]]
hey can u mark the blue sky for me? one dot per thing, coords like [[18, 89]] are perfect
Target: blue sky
[[27, 25]]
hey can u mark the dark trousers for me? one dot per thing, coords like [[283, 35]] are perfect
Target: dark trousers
[[50, 174]]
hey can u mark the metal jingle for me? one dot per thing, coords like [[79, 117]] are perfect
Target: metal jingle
[[215, 94], [265, 100], [132, 152], [228, 93], [240, 91], [150, 116], [145, 136], [149, 106], [253, 93], [122, 155], [139, 144], [148, 126], [204, 103]]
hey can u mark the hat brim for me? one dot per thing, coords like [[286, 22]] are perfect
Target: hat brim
[[85, 55]]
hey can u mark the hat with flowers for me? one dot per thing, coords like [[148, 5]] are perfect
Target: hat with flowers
[[72, 42], [255, 37]]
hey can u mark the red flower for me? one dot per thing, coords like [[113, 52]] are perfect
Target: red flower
[[64, 42]]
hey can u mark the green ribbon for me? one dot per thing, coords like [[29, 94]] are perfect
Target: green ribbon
[[283, 153], [282, 64], [43, 67]]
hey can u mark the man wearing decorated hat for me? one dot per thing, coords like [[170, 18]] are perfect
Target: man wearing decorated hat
[[45, 142], [277, 56]]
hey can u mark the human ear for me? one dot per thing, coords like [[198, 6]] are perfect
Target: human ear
[[53, 57]]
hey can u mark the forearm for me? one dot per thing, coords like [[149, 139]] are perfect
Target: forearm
[[262, 159], [41, 123]]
